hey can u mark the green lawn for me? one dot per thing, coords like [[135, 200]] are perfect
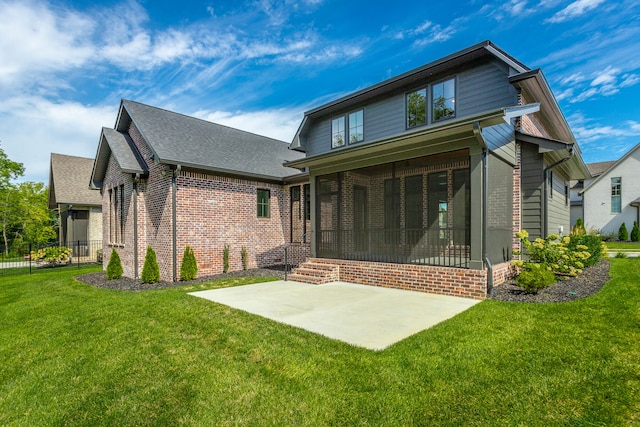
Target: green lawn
[[622, 246], [75, 355]]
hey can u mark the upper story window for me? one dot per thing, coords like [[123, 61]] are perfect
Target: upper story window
[[337, 132], [444, 99], [417, 108], [616, 195], [356, 126], [353, 123]]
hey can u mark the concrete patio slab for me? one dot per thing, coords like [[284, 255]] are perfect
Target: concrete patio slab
[[364, 316]]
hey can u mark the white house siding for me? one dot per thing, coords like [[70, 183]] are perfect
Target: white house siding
[[597, 196]]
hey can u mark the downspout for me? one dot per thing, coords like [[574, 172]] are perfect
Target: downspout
[[134, 197], [174, 230], [545, 172], [477, 131]]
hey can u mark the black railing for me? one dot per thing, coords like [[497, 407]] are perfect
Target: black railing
[[24, 258], [443, 247]]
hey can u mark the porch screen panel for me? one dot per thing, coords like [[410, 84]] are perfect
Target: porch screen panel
[[328, 215], [391, 211], [499, 210], [413, 209], [461, 206], [437, 205]]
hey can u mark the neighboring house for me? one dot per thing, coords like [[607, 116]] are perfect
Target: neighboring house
[[168, 180], [614, 196], [421, 181], [79, 208], [595, 169]]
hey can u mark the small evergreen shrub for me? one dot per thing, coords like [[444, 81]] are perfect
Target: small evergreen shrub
[[623, 234], [225, 259], [535, 277], [621, 255], [635, 232], [114, 267], [578, 228], [189, 266], [150, 269], [245, 258]]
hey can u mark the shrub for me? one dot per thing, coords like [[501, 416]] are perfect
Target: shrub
[[635, 232], [595, 247], [535, 277], [189, 266], [623, 234], [578, 228], [225, 259], [556, 253], [621, 255], [150, 269], [52, 256], [114, 267], [245, 258]]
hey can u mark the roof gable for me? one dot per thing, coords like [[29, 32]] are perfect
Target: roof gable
[[612, 167], [177, 139], [123, 150], [69, 178]]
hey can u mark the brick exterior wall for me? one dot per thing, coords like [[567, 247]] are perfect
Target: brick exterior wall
[[459, 282], [211, 211]]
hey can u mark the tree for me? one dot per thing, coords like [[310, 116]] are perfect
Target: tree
[[114, 267], [623, 234], [189, 266], [9, 170], [635, 232], [150, 269]]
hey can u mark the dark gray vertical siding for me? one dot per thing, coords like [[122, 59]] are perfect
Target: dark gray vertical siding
[[500, 140], [532, 188], [479, 89], [558, 212]]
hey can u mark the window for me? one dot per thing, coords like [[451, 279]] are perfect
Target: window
[[550, 184], [337, 132], [295, 201], [417, 108], [263, 203], [356, 126], [616, 195], [566, 194], [307, 202], [116, 215], [444, 100], [121, 223]]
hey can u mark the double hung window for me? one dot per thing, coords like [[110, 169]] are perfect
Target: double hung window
[[616, 195], [444, 100], [347, 128]]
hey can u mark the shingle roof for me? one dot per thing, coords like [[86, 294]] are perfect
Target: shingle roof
[[598, 168], [190, 142], [69, 181], [124, 151]]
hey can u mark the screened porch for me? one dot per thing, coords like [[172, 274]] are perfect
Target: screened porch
[[414, 211]]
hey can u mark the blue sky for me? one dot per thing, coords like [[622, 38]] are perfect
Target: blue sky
[[258, 65]]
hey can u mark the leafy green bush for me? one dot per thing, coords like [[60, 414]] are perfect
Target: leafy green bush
[[245, 258], [621, 255], [635, 232], [623, 234], [114, 267], [594, 246], [150, 269], [225, 258], [535, 277], [189, 266], [556, 253], [52, 256], [578, 228]]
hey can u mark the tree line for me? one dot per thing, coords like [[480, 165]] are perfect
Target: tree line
[[24, 213]]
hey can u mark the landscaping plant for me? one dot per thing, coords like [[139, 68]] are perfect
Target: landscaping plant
[[52, 256], [150, 270], [578, 228], [189, 266], [623, 234], [635, 232], [225, 258], [114, 267], [245, 258], [535, 277]]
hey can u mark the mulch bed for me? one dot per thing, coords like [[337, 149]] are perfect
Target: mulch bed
[[588, 283], [99, 279]]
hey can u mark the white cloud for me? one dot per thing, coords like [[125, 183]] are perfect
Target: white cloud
[[629, 80], [575, 9], [280, 123], [588, 132], [606, 77]]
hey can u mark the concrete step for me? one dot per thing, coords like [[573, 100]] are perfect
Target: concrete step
[[315, 273]]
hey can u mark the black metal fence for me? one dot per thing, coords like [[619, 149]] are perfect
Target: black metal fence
[[442, 246], [28, 257]]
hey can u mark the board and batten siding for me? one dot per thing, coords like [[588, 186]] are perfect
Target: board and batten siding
[[481, 88], [558, 211], [532, 187]]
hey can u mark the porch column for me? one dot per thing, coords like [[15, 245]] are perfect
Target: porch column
[[311, 233], [475, 164]]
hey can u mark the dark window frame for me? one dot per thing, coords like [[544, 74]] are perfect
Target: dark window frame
[[454, 98], [426, 107], [263, 203], [337, 132], [350, 128]]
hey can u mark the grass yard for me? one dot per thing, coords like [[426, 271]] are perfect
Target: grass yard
[[75, 355], [622, 246]]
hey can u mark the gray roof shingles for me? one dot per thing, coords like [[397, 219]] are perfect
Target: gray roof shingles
[[195, 143], [69, 180]]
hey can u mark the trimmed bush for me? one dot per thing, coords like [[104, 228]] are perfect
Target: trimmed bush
[[578, 228], [593, 245], [635, 232], [52, 256], [225, 259], [245, 258], [150, 270], [535, 277], [623, 234], [189, 267], [114, 267]]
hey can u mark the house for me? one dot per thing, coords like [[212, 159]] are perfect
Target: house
[[613, 197], [79, 208], [421, 181], [168, 180], [577, 207]]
